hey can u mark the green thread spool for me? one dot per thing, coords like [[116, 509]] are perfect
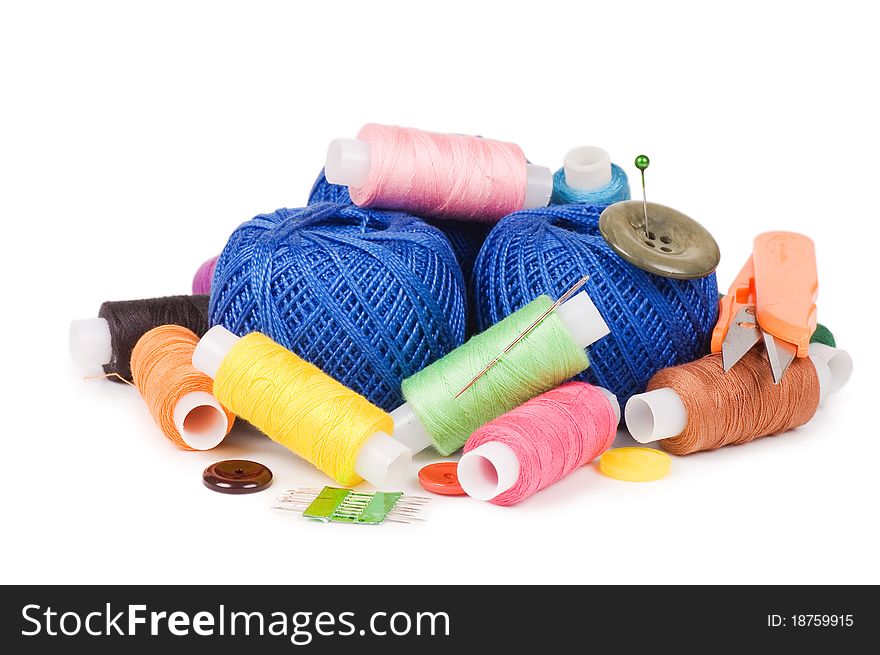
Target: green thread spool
[[823, 335], [550, 354]]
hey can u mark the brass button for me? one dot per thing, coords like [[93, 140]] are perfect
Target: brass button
[[675, 245]]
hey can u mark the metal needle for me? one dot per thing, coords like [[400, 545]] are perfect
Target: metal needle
[[568, 294], [642, 163]]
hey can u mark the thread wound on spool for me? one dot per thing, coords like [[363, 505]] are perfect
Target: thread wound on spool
[[655, 322], [129, 320], [370, 297], [162, 370], [552, 435], [441, 175], [299, 406], [823, 335], [615, 191], [740, 405], [546, 357], [201, 283]]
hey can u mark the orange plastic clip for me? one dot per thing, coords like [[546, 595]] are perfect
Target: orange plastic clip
[[787, 284], [740, 295]]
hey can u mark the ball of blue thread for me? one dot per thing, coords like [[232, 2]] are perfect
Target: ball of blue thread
[[466, 238], [655, 322], [370, 297], [616, 190]]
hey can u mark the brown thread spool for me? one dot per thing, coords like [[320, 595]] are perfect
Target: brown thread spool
[[179, 396], [735, 407], [106, 342]]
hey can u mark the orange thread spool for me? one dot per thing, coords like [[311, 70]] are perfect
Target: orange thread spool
[[179, 397], [740, 405]]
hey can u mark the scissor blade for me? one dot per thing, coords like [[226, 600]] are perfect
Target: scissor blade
[[742, 334], [780, 353]]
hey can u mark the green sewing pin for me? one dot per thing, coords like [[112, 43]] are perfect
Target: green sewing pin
[[642, 162]]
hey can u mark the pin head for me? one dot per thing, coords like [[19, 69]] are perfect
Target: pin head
[[642, 162]]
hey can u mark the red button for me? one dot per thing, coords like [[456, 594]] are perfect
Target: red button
[[441, 478]]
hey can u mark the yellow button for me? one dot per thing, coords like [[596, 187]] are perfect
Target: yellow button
[[635, 464]]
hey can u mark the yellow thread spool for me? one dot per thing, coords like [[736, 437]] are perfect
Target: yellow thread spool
[[302, 408]]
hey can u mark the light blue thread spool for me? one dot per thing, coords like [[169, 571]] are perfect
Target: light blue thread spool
[[589, 178]]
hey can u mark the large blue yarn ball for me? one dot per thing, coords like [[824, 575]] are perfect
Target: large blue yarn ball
[[655, 322], [370, 297]]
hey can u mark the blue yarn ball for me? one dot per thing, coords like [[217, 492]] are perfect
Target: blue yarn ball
[[655, 322], [617, 190], [370, 297], [466, 238]]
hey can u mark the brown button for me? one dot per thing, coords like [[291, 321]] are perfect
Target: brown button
[[237, 476], [674, 245]]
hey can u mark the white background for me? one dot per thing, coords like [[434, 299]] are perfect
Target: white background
[[137, 136]]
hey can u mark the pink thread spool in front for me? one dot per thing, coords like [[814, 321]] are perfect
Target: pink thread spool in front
[[437, 175], [203, 277], [538, 443]]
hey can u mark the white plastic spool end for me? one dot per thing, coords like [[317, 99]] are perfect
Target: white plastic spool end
[[348, 162], [91, 346], [212, 350], [383, 461], [488, 470], [613, 400], [200, 420], [839, 363], [655, 415], [582, 319], [826, 379], [587, 168], [539, 186], [408, 429]]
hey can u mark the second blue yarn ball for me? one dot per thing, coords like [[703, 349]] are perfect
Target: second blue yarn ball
[[655, 322]]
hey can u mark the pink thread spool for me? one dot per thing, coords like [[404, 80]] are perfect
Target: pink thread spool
[[437, 175], [202, 279], [538, 443]]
